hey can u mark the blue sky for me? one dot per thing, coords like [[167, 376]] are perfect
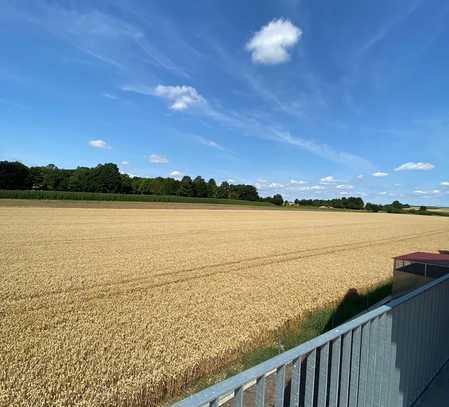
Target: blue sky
[[305, 98]]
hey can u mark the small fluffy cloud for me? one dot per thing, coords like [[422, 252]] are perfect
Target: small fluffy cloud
[[317, 187], [157, 159], [297, 182], [181, 97], [380, 174], [176, 174], [270, 44], [343, 186], [124, 162], [328, 180], [361, 176], [101, 144], [412, 166], [445, 184]]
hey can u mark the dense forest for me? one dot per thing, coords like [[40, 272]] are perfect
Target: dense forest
[[107, 178]]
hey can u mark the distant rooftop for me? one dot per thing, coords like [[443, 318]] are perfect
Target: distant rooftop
[[423, 257]]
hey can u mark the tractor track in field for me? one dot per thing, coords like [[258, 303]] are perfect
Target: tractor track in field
[[229, 267]]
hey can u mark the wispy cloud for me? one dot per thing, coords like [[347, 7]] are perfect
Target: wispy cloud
[[270, 44], [380, 174], [157, 159], [210, 143], [181, 97], [110, 96], [412, 166], [445, 184], [100, 144]]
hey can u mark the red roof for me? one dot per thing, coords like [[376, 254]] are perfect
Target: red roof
[[424, 257]]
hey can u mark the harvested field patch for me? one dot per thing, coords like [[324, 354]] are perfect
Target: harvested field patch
[[122, 307]]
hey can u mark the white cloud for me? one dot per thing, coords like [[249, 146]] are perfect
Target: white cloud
[[328, 180], [110, 96], [230, 181], [176, 174], [419, 192], [445, 184], [182, 97], [99, 144], [380, 174], [124, 162], [343, 186], [383, 193], [317, 187], [361, 176], [157, 159], [211, 143], [297, 182], [270, 44], [412, 166]]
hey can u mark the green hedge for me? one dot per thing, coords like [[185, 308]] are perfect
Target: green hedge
[[97, 196]]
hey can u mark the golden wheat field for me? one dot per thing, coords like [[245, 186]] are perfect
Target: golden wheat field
[[120, 307]]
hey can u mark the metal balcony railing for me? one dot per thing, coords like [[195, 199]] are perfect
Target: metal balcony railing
[[385, 358]]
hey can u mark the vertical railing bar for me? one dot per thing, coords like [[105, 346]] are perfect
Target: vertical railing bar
[[364, 359], [335, 372], [238, 397], [372, 363], [435, 328], [280, 386], [355, 366], [407, 363], [260, 391], [295, 383], [381, 361], [396, 336], [323, 375], [345, 369], [427, 336], [419, 301], [414, 323], [310, 379], [214, 403], [387, 376]]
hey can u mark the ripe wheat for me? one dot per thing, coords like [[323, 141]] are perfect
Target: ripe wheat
[[123, 307]]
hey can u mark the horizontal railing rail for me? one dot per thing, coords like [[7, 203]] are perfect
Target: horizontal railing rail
[[385, 357]]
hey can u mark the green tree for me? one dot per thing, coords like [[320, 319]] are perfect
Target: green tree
[[79, 180], [224, 190], [186, 186], [211, 188], [277, 199], [105, 178], [14, 175], [200, 187]]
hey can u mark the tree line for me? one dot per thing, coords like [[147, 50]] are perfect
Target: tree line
[[340, 203], [107, 178]]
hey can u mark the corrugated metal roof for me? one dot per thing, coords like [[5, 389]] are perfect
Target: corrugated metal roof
[[423, 257]]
